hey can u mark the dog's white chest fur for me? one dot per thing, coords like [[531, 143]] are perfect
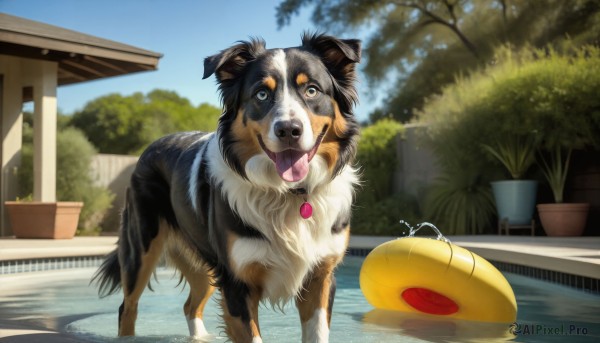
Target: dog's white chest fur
[[286, 269], [293, 245]]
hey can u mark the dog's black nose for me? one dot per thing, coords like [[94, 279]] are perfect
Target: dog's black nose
[[288, 130]]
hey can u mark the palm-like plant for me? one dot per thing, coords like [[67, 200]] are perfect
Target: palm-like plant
[[555, 170], [460, 202], [517, 154]]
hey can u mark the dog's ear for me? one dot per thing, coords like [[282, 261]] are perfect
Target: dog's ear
[[337, 53], [340, 57], [229, 63]]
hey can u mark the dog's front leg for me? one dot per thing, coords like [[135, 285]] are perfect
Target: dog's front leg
[[240, 312], [315, 303]]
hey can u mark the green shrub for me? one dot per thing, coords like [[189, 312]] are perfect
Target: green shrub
[[459, 202], [378, 210], [73, 180], [532, 94], [381, 218], [377, 157], [538, 96]]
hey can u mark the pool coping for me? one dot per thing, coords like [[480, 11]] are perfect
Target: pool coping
[[574, 255]]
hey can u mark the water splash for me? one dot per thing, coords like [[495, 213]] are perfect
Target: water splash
[[413, 230]]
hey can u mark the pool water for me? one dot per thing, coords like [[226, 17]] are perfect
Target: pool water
[[547, 313]]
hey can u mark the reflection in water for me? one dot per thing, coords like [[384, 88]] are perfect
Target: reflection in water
[[436, 328]]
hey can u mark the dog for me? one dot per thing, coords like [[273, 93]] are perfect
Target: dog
[[259, 209]]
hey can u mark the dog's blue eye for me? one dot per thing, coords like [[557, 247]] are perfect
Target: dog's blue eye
[[311, 92], [262, 95]]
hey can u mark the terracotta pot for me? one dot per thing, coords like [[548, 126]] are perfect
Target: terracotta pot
[[563, 219], [57, 220]]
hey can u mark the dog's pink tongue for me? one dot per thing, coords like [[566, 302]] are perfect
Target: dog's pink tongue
[[291, 165]]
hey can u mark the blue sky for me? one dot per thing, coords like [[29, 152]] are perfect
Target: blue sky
[[184, 31]]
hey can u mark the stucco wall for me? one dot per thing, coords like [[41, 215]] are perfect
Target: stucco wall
[[416, 163]]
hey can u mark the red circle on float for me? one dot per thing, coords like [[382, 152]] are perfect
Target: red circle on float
[[428, 301]]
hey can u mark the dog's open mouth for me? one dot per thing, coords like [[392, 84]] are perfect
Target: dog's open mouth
[[291, 164]]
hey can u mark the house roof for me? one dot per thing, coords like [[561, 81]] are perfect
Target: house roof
[[80, 57]]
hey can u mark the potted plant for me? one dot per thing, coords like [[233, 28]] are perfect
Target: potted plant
[[559, 218], [59, 219], [36, 219], [515, 198]]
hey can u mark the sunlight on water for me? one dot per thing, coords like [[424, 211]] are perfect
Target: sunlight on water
[[67, 302]]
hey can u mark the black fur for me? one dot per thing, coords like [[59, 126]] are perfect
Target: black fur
[[159, 189], [228, 67], [108, 275]]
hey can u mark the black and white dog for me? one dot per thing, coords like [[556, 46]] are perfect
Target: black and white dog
[[261, 208]]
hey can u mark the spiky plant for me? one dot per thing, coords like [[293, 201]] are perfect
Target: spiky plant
[[517, 154], [460, 202], [555, 169]]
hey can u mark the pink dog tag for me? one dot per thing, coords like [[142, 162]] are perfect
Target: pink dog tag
[[306, 210]]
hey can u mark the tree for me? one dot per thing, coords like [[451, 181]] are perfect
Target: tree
[[111, 124], [418, 46], [127, 124]]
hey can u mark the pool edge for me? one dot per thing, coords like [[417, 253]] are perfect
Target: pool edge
[[556, 260]]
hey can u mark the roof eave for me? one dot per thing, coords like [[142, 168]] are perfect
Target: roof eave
[[149, 58]]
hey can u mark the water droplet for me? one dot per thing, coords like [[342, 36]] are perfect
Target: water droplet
[[419, 226]]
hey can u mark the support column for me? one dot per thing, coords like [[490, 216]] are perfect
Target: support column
[[12, 131], [44, 132]]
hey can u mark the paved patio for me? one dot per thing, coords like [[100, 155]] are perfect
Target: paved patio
[[19, 249]]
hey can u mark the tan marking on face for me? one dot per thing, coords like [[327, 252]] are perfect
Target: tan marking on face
[[270, 83], [317, 124], [301, 79], [246, 144], [329, 148]]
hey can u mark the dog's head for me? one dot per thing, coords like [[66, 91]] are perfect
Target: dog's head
[[284, 108]]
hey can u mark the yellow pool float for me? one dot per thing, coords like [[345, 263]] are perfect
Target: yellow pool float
[[438, 278]]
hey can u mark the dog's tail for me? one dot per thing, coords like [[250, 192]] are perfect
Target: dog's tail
[[108, 276]]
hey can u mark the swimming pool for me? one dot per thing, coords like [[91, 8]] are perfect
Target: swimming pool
[[547, 313]]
